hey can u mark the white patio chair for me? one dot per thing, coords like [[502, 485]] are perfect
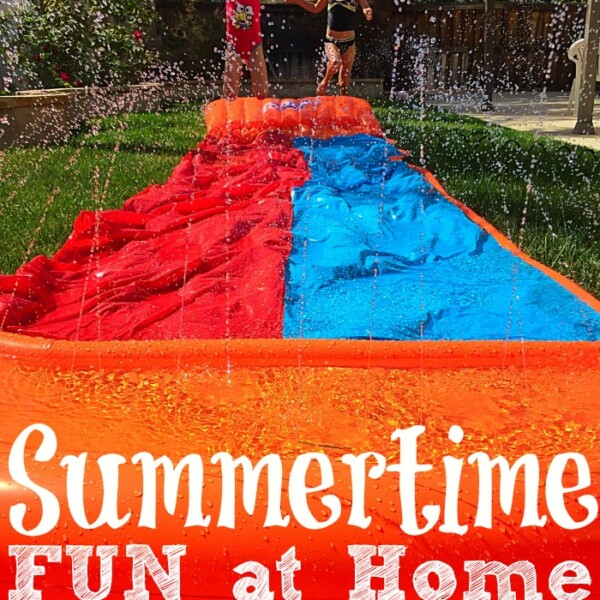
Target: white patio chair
[[576, 53]]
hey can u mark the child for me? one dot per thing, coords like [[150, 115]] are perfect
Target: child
[[340, 46], [244, 46]]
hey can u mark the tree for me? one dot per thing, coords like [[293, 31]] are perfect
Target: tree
[[587, 92]]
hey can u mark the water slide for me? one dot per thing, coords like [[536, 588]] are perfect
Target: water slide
[[297, 288]]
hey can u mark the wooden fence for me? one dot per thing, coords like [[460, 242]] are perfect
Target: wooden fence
[[530, 49]]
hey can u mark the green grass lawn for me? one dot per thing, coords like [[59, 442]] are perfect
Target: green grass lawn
[[542, 194], [43, 190]]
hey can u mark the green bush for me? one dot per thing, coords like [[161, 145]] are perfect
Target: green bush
[[83, 42]]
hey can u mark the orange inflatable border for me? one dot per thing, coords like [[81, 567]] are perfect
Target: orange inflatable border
[[316, 117], [169, 354]]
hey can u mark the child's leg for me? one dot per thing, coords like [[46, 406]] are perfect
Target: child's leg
[[232, 74], [259, 78], [346, 69], [334, 63]]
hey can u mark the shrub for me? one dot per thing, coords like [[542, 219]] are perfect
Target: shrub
[[64, 43]]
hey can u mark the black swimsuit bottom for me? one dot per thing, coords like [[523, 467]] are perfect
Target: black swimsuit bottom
[[342, 46]]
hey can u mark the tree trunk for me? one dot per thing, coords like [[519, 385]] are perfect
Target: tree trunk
[[587, 93]]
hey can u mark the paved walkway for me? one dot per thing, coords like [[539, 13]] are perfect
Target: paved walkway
[[527, 112]]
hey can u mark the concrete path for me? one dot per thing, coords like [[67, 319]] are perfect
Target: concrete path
[[526, 112]]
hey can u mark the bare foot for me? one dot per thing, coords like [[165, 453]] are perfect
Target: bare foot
[[322, 89]]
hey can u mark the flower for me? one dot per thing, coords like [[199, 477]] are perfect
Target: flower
[[37, 57], [78, 83], [57, 68], [46, 47], [138, 35], [65, 76]]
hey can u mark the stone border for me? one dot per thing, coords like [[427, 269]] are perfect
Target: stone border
[[41, 117]]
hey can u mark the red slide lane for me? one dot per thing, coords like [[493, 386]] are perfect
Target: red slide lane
[[213, 239]]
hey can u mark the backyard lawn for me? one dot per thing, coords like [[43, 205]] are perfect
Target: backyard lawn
[[543, 194]]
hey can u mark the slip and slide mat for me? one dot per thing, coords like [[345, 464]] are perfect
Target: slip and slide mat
[[296, 288]]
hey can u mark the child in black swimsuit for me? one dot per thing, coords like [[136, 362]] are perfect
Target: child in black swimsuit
[[340, 46]]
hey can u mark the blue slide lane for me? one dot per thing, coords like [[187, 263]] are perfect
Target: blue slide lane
[[379, 253]]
